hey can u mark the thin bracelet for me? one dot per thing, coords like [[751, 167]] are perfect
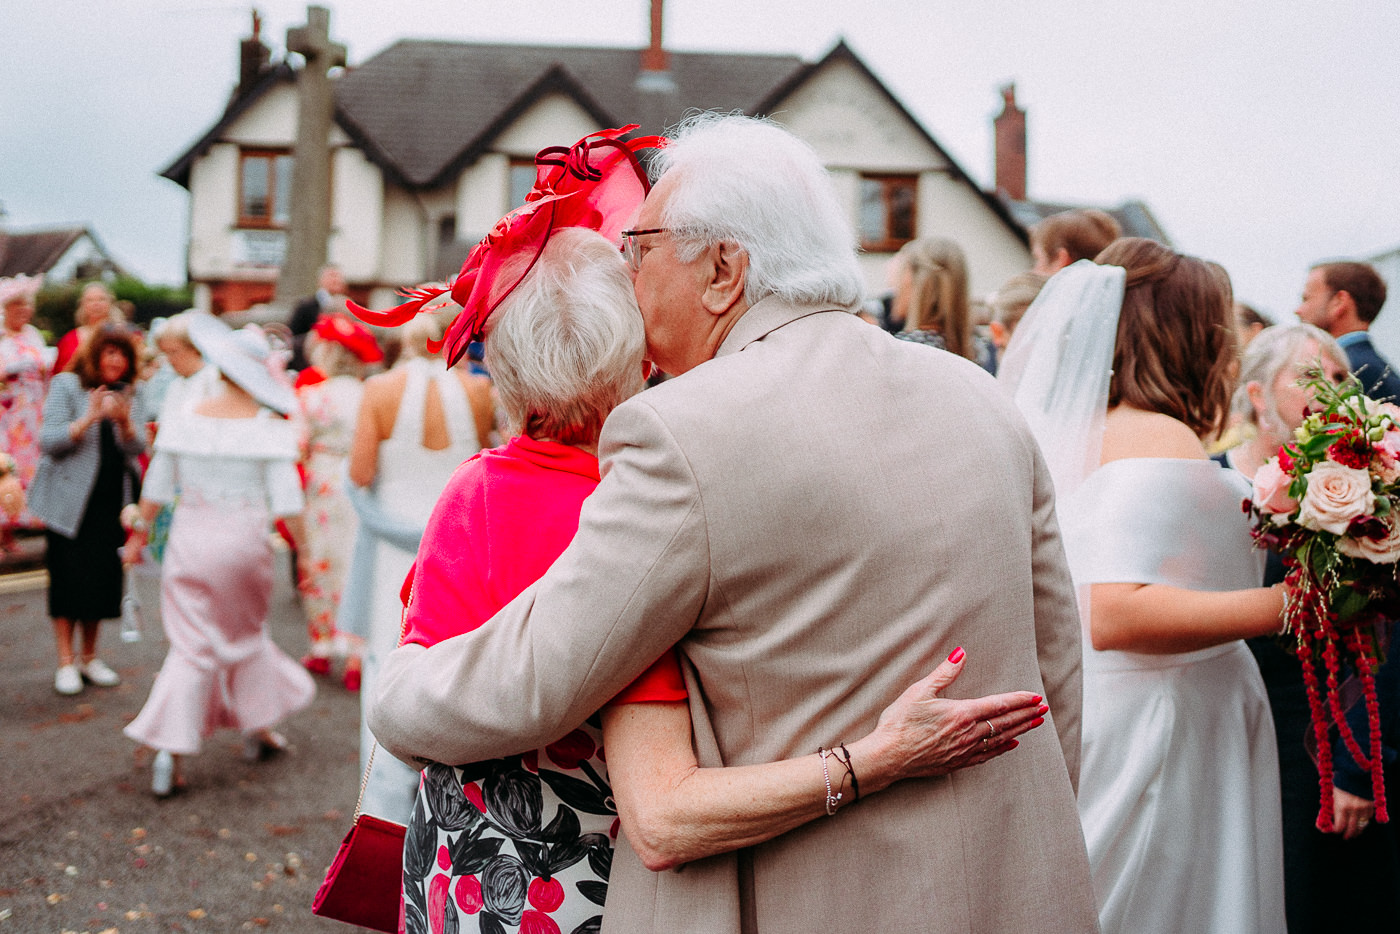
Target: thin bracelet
[[832, 800], [850, 770]]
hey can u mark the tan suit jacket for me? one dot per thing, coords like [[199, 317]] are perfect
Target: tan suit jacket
[[817, 516]]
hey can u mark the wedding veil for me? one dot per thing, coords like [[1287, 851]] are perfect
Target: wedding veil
[[1058, 365]]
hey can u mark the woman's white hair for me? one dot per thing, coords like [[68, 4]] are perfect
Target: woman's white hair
[[566, 347], [750, 182], [1269, 353], [174, 328]]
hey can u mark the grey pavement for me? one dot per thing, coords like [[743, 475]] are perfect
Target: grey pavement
[[84, 846]]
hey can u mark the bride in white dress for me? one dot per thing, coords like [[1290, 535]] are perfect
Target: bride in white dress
[[1120, 368]]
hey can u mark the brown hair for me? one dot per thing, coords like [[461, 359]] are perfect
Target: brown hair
[[1360, 281], [84, 362], [937, 299], [1176, 350], [1083, 233]]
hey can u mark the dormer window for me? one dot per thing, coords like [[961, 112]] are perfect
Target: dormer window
[[887, 211], [264, 188]]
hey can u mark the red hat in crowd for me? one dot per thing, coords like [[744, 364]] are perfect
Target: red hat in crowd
[[597, 183], [350, 334]]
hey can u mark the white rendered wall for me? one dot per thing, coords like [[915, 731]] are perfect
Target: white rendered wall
[[855, 128]]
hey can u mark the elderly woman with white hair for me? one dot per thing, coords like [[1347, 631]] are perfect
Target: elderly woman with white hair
[[1360, 858]]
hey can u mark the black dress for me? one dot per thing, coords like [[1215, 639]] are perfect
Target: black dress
[[85, 572]]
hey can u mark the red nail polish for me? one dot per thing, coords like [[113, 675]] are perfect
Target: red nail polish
[[1043, 709], [1037, 722], [1035, 699], [956, 655]]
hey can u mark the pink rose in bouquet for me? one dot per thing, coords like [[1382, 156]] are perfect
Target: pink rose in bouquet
[[1271, 491], [1336, 495]]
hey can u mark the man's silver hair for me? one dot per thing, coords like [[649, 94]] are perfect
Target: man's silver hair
[[566, 347], [1272, 350], [752, 183]]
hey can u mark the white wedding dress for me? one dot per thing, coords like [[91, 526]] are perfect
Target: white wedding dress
[[1178, 788]]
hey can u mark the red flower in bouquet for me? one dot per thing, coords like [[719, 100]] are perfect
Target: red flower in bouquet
[[1328, 503]]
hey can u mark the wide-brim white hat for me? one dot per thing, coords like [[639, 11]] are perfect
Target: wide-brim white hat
[[246, 357]]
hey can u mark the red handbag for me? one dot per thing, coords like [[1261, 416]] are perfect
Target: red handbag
[[364, 884]]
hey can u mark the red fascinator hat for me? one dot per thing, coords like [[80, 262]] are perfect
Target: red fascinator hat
[[597, 183], [350, 334]]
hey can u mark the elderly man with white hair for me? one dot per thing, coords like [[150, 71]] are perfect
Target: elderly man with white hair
[[744, 516]]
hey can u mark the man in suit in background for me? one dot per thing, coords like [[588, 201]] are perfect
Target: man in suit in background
[[329, 298], [1344, 298], [814, 514]]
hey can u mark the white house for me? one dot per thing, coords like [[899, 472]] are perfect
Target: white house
[[433, 141]]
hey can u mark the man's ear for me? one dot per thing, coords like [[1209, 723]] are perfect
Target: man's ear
[[1340, 305], [730, 272]]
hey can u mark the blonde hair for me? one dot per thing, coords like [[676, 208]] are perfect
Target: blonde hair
[[937, 296]]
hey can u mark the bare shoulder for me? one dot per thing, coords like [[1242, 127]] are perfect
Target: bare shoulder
[[1130, 432]]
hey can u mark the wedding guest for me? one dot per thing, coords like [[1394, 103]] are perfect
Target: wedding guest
[[232, 459], [329, 298], [1361, 858], [1344, 299], [416, 425], [712, 530], [1121, 369], [24, 376], [340, 349], [1069, 236], [95, 307], [931, 298], [1248, 323], [1009, 304], [92, 432]]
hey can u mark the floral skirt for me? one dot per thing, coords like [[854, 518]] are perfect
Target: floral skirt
[[517, 844]]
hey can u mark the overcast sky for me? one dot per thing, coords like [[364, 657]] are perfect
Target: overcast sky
[[1263, 135]]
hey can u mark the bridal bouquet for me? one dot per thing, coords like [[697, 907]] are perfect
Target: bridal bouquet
[[1329, 503]]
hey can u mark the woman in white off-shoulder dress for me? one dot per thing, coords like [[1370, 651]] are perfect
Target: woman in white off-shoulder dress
[[1121, 368], [232, 461]]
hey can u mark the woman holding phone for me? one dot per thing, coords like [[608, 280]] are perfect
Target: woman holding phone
[[88, 472]]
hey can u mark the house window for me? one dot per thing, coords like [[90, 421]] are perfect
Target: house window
[[264, 188], [522, 179], [887, 216]]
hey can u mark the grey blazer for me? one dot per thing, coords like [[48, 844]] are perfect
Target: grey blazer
[[815, 518], [68, 469]]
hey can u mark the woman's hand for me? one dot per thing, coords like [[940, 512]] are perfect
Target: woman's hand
[[131, 550], [924, 735], [1350, 814]]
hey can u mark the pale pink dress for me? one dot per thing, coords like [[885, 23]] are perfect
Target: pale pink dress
[[223, 669]]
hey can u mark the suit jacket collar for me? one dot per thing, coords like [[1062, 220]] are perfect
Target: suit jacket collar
[[763, 317]]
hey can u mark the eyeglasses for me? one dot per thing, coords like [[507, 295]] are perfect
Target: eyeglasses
[[631, 251]]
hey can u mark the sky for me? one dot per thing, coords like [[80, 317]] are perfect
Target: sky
[[1262, 134]]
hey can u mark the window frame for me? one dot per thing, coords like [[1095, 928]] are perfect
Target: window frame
[[268, 221], [890, 183]]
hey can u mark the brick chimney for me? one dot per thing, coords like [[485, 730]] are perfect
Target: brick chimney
[[253, 57], [1010, 126], [657, 99], [655, 57]]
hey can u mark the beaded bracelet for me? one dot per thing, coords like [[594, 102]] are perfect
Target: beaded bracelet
[[832, 800]]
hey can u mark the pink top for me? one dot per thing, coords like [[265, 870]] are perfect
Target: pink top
[[505, 516]]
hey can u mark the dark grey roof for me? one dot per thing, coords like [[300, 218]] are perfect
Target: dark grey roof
[[36, 251], [424, 109], [1133, 216]]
